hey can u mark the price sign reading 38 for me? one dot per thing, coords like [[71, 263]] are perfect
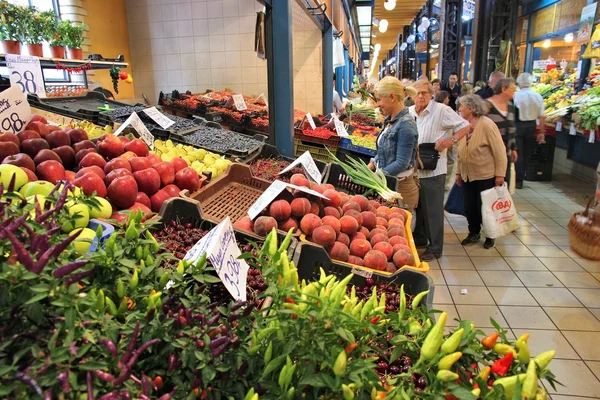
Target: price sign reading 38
[[26, 73]]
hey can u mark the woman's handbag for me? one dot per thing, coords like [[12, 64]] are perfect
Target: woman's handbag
[[456, 201], [427, 156]]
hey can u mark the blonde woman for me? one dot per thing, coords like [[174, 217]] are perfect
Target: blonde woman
[[397, 143]]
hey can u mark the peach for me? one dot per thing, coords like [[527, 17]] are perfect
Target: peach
[[364, 231], [374, 203], [380, 237], [348, 225], [328, 186], [391, 268], [343, 238], [356, 215], [350, 205], [396, 214], [324, 235], [375, 232], [396, 232], [402, 258], [359, 247], [299, 180], [309, 223], [314, 208], [394, 240], [382, 222], [339, 251], [358, 235], [331, 211], [335, 199], [300, 207], [264, 225], [288, 224], [333, 222], [385, 210], [400, 246], [280, 210], [385, 248], [362, 201], [355, 260], [369, 220], [345, 198], [380, 214], [396, 221], [244, 223], [376, 260]]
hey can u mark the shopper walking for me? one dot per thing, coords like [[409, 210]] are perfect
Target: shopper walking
[[488, 91], [397, 143], [501, 110], [481, 163], [434, 121], [453, 88], [437, 87], [531, 109]]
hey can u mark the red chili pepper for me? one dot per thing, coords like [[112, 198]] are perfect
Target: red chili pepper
[[290, 301], [375, 319], [489, 341], [350, 348], [501, 366]]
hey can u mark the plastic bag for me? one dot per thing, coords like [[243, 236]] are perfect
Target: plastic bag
[[338, 55], [498, 212], [512, 185], [456, 201]]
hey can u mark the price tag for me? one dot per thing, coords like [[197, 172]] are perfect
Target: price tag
[[263, 98], [137, 124], [26, 73], [15, 112], [592, 138], [158, 117], [339, 127], [240, 103], [572, 130], [362, 272], [309, 166], [310, 121], [221, 249], [558, 126], [272, 192]]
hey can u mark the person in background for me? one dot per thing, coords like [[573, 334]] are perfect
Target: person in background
[[453, 88], [501, 110], [338, 105], [488, 91], [434, 121], [397, 142], [437, 87], [466, 89], [441, 97], [107, 93], [478, 86], [531, 108], [481, 163]]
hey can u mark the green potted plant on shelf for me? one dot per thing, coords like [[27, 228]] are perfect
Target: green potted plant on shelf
[[39, 27], [57, 40], [12, 28], [74, 39]]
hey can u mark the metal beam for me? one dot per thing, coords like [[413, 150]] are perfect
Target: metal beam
[[328, 69], [451, 60]]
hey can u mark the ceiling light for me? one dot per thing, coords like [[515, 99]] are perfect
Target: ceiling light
[[547, 43], [410, 39], [364, 15], [383, 25], [569, 37], [389, 5], [377, 47]]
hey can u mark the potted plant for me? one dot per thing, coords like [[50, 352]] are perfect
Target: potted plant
[[39, 27], [74, 39], [57, 41], [12, 19]]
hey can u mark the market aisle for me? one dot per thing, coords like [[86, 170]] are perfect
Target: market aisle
[[531, 282]]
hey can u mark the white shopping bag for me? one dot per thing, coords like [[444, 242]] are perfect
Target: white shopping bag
[[498, 212], [512, 185]]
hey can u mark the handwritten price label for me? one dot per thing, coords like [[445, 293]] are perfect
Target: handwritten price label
[[26, 74], [310, 121], [339, 127], [221, 249], [15, 112], [309, 166], [159, 117], [137, 124], [240, 103], [559, 126], [572, 130]]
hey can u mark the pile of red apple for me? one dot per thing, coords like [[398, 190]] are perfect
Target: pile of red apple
[[352, 229], [120, 169]]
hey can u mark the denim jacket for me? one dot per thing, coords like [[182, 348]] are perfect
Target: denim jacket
[[397, 149]]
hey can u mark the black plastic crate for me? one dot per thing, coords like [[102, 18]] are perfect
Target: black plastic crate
[[338, 178], [310, 258], [540, 161], [269, 151]]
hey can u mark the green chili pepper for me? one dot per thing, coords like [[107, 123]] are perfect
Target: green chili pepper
[[402, 303], [524, 355], [180, 267], [414, 327], [348, 393], [291, 393], [268, 353], [530, 384], [254, 349], [100, 304], [282, 374], [543, 359], [447, 361], [110, 305], [433, 340], [503, 349], [339, 290], [164, 278], [139, 253], [149, 260], [120, 288], [250, 394], [131, 233], [356, 310], [122, 306], [339, 368], [266, 332], [381, 300], [418, 298], [509, 383], [452, 343], [289, 375], [146, 251], [133, 283], [445, 376], [369, 305], [286, 241], [201, 262]]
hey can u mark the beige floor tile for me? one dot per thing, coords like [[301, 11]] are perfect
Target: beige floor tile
[[456, 262], [588, 265], [559, 240], [450, 309], [579, 319], [490, 264], [500, 278], [596, 312], [558, 214], [562, 221], [526, 207], [441, 295], [512, 296], [514, 250], [589, 297], [525, 264], [554, 297], [451, 239], [534, 240], [553, 230], [542, 221], [527, 317], [538, 279], [508, 239], [578, 280], [478, 250], [438, 278], [595, 367], [547, 251], [454, 250], [596, 275], [462, 278], [568, 251], [461, 230], [559, 397], [544, 340], [585, 343], [480, 315], [549, 207], [532, 214], [477, 295], [434, 264], [561, 264]]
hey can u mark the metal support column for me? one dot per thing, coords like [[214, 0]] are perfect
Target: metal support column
[[339, 78], [351, 76], [452, 39], [278, 20], [328, 68], [346, 72]]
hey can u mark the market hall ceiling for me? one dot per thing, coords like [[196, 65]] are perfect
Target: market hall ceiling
[[403, 14]]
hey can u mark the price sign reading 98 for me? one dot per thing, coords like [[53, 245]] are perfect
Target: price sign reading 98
[[15, 112]]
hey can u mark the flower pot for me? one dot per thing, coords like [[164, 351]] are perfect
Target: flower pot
[[11, 46], [35, 50], [75, 54], [57, 51]]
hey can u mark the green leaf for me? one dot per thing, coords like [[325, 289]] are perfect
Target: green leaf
[[6, 390], [128, 263], [93, 365], [83, 350], [396, 353], [37, 298], [208, 374], [313, 381], [41, 288], [35, 312], [465, 394], [5, 369], [70, 318], [273, 365]]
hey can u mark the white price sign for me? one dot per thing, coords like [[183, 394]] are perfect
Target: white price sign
[[339, 127], [15, 112], [310, 121], [272, 192], [221, 249], [137, 124], [240, 103], [26, 74], [572, 130], [264, 99], [592, 138], [309, 166], [559, 126], [159, 117]]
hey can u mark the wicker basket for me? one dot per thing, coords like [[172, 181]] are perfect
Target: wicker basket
[[585, 239]]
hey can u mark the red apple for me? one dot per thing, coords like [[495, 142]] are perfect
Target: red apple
[[82, 153], [166, 172], [33, 146], [179, 164], [158, 199], [77, 135], [148, 181], [124, 139], [10, 137], [70, 175], [20, 160], [188, 179], [172, 190], [67, 156], [39, 127], [57, 139], [143, 198], [111, 147], [51, 171], [8, 149], [38, 118], [52, 128], [91, 183], [24, 135], [153, 158], [139, 163], [141, 207], [123, 191], [128, 155], [138, 147], [92, 159], [93, 169], [45, 155], [116, 163], [31, 177], [84, 144], [117, 173], [117, 216]]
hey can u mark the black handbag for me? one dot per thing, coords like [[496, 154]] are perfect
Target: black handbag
[[427, 156]]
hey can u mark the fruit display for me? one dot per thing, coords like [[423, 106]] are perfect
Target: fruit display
[[269, 169], [200, 160], [220, 140], [321, 132], [93, 131]]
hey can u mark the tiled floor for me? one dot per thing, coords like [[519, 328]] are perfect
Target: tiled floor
[[531, 282]]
